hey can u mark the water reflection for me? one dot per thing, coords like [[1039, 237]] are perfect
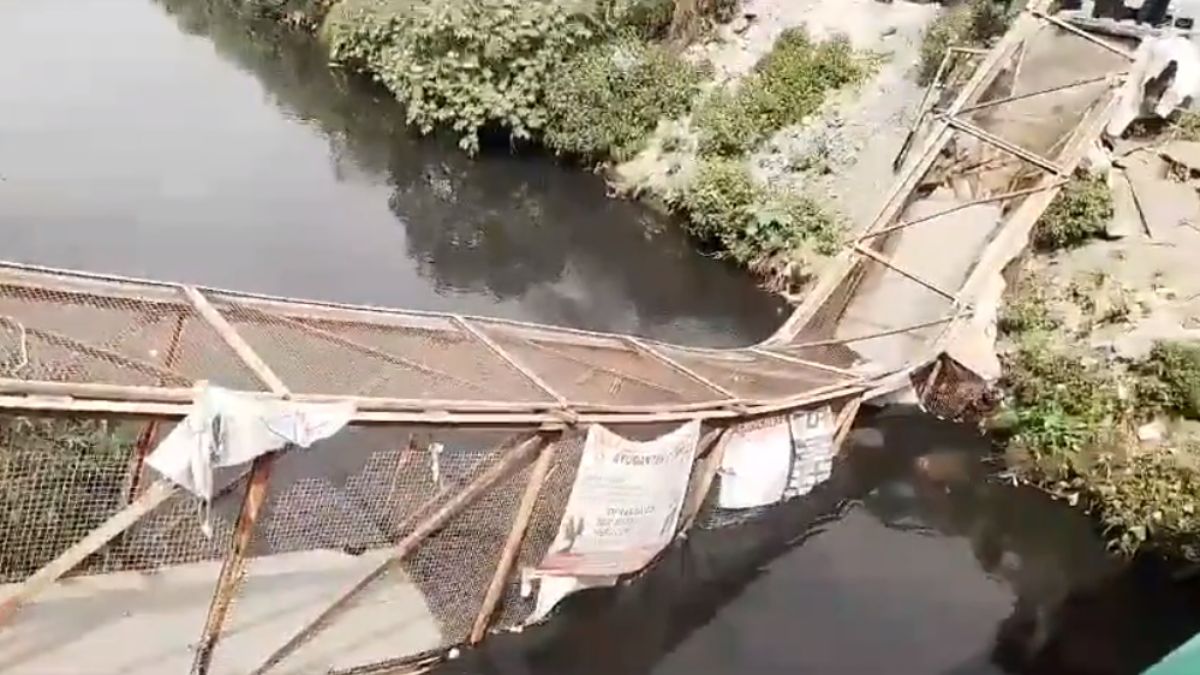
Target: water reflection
[[182, 140], [909, 561]]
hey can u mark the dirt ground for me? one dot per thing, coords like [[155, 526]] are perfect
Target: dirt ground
[[844, 151]]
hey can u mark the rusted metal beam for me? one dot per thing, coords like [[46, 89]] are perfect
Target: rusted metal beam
[[671, 363], [878, 334], [1011, 148], [708, 473], [233, 570], [1032, 94], [965, 205], [149, 435], [234, 341], [512, 361], [512, 546], [496, 473], [66, 561], [1078, 32], [234, 567], [873, 255], [811, 364]]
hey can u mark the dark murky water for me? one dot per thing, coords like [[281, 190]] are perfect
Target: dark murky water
[[172, 139], [910, 561]]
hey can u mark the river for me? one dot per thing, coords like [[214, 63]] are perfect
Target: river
[[175, 140], [172, 139]]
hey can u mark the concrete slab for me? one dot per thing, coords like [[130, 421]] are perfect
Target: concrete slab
[[134, 623]]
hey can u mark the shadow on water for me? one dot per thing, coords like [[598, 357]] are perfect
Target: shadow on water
[[912, 559], [189, 142]]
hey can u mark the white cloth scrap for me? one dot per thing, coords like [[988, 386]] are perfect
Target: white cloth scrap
[[227, 428]]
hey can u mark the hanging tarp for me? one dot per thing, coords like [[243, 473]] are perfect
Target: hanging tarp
[[756, 465]]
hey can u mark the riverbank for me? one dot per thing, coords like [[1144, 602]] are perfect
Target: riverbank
[[760, 124], [1102, 347]]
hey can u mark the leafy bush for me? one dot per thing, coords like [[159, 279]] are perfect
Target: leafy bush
[[1063, 406], [749, 222], [465, 64], [1172, 372], [787, 85], [605, 100], [62, 478], [1149, 501], [1025, 310], [970, 24], [1080, 212]]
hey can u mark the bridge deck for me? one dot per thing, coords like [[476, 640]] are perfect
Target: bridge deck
[[83, 342]]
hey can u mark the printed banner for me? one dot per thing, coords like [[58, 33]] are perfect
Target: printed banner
[[756, 466], [812, 450], [625, 504]]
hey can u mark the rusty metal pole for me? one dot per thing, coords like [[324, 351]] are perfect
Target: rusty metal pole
[[234, 568], [149, 435]]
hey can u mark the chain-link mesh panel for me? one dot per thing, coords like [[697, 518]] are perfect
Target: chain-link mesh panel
[[59, 329], [393, 356], [334, 514], [753, 376], [1050, 60], [955, 393], [61, 478], [596, 369], [137, 604], [543, 527]]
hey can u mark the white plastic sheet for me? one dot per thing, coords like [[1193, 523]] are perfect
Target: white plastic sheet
[[227, 428], [1151, 60], [756, 465]]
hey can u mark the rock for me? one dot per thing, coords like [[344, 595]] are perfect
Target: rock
[[740, 25], [1153, 432], [1165, 204], [1183, 153]]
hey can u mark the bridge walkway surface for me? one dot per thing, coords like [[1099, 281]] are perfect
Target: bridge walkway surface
[[418, 526]]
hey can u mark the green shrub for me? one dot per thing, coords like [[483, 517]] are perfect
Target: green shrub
[[62, 478], [605, 100], [1080, 212], [462, 64], [1025, 310], [787, 86], [1063, 405], [970, 24], [1150, 501], [749, 222], [1172, 377]]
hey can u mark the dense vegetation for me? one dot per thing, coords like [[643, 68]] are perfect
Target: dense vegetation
[[62, 478], [593, 80], [1080, 212], [603, 102], [1071, 420], [973, 23], [787, 86], [752, 223]]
